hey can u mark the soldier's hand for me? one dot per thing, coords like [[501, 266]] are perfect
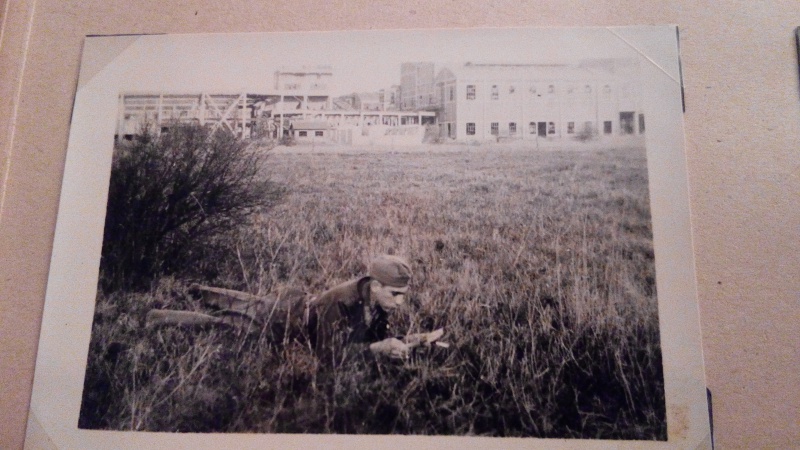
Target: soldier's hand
[[417, 339], [391, 347]]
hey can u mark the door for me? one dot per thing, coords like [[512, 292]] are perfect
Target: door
[[626, 122], [542, 129]]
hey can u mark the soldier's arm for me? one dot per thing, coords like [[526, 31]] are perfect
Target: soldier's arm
[[401, 348], [392, 347]]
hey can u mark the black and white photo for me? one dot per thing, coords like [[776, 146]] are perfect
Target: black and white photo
[[447, 233]]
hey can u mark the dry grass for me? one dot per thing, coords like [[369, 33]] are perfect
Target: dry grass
[[539, 265]]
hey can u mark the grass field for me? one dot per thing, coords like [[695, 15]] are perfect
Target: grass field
[[538, 264]]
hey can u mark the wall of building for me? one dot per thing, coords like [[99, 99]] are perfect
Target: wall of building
[[530, 107]]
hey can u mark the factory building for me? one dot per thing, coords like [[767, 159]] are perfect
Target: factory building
[[156, 111], [272, 115], [417, 86], [366, 101], [596, 98], [390, 98], [305, 87]]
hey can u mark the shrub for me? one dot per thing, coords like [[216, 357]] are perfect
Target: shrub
[[586, 135], [433, 135], [173, 198], [287, 140]]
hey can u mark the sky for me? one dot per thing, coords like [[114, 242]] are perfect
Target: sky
[[362, 61]]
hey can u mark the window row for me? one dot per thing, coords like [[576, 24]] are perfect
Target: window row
[[305, 133], [551, 89], [546, 128]]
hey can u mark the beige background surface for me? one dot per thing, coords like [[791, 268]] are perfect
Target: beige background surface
[[742, 132]]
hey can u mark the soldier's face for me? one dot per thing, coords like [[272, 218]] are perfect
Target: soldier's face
[[388, 297]]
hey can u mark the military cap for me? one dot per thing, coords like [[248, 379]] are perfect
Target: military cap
[[390, 270]]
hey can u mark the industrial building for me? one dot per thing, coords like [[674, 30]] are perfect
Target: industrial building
[[417, 86], [468, 102], [156, 111], [301, 105]]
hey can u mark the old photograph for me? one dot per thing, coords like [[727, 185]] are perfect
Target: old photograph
[[438, 233]]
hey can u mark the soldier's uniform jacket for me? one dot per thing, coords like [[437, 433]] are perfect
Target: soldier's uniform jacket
[[344, 315], [339, 317]]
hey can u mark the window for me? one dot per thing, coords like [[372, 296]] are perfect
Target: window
[[570, 89], [512, 128], [495, 92], [587, 127], [452, 93], [641, 123], [551, 128], [607, 127], [495, 128], [471, 129], [302, 133], [587, 89], [606, 89], [551, 89], [470, 92], [532, 89], [570, 127], [511, 89], [319, 133], [532, 128]]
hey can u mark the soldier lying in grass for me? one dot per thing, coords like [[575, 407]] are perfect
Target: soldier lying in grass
[[353, 312]]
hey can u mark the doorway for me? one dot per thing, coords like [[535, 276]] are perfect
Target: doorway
[[626, 123]]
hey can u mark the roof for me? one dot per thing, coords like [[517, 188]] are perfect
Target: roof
[[514, 72], [368, 96], [306, 70], [339, 103]]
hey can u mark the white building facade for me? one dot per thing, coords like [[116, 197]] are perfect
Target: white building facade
[[479, 102]]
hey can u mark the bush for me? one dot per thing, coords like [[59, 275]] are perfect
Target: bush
[[586, 135], [287, 140], [174, 197], [433, 135]]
